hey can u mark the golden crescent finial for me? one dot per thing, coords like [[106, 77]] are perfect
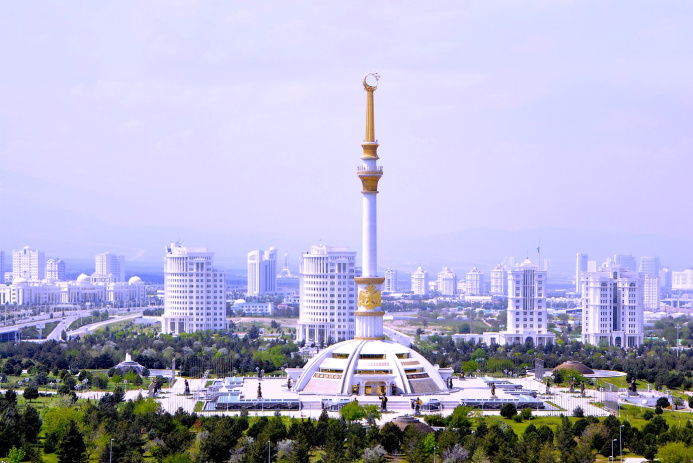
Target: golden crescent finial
[[371, 88]]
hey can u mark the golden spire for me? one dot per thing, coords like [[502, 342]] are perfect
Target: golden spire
[[370, 146]]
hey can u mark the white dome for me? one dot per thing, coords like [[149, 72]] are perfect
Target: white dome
[[369, 363], [83, 280], [135, 281], [19, 281]]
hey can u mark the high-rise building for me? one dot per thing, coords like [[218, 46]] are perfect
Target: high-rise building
[[651, 292], [419, 282], [475, 282], [262, 272], [613, 306], [109, 268], [194, 291], [55, 270], [327, 295], [285, 273], [682, 281], [649, 265], [499, 281], [627, 261], [29, 263], [665, 279], [580, 268], [527, 315], [2, 266], [447, 282], [390, 284]]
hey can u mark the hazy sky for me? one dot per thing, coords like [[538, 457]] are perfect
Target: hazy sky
[[244, 119]]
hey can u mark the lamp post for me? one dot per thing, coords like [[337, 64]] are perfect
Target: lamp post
[[620, 442], [110, 455], [678, 327], [269, 451], [434, 453], [612, 449]]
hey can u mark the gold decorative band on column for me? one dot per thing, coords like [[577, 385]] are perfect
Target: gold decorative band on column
[[370, 150], [369, 314], [369, 184], [363, 338], [369, 280]]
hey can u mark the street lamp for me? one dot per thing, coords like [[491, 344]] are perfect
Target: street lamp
[[678, 327], [620, 442], [269, 451], [110, 456], [434, 453], [612, 449]]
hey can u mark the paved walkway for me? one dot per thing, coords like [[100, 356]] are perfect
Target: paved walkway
[[564, 401]]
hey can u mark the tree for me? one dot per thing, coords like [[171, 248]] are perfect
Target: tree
[[508, 410], [72, 448], [30, 424], [662, 402], [30, 393], [391, 437], [675, 452], [334, 443]]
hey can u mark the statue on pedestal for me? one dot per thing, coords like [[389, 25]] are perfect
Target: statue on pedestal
[[187, 388], [493, 389], [259, 391]]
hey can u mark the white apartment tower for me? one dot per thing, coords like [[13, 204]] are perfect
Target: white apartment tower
[[527, 315], [649, 267], [665, 279], [581, 264], [612, 306], [2, 266], [55, 270], [194, 291], [627, 261], [499, 281], [683, 280], [475, 282], [29, 263], [447, 282], [419, 282], [390, 284], [109, 267], [328, 295], [262, 272]]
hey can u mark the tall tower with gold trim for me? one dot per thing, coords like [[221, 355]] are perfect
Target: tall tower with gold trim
[[369, 315]]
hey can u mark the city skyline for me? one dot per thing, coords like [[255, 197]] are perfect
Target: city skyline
[[106, 104]]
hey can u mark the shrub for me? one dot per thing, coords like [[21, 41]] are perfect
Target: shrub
[[508, 411], [578, 412], [663, 402], [526, 413], [658, 410], [648, 415], [517, 418]]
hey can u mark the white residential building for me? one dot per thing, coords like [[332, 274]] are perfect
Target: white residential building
[[499, 281], [55, 270], [390, 285], [419, 282], [195, 291], [262, 272], [651, 293], [682, 281], [328, 295], [447, 282], [665, 279], [29, 264], [581, 263], [613, 306], [475, 282], [253, 308], [2, 266], [527, 315], [109, 268], [649, 265]]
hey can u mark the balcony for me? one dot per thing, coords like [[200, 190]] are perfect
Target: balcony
[[369, 168]]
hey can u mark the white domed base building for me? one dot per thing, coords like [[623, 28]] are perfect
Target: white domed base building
[[370, 367]]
